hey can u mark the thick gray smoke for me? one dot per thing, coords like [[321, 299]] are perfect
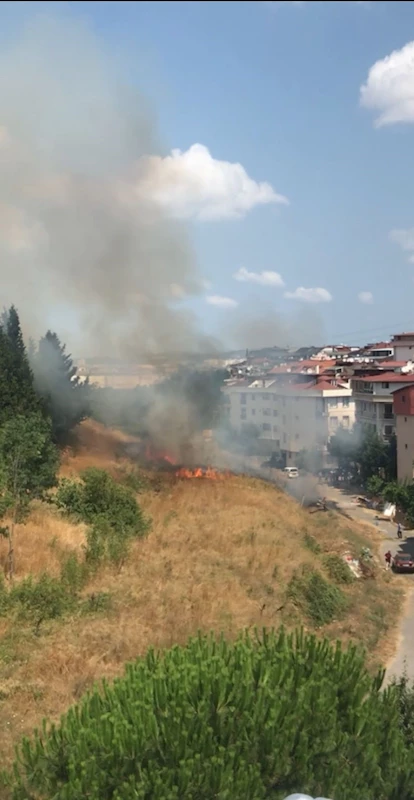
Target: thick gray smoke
[[79, 235]]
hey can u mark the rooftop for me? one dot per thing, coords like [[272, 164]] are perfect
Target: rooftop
[[388, 377]]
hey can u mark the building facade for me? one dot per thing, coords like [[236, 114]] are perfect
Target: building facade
[[403, 344], [292, 414], [373, 396], [404, 427]]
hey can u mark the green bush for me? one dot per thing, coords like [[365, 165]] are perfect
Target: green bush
[[45, 597], [311, 543], [320, 601], [97, 495], [337, 570], [73, 574], [258, 718]]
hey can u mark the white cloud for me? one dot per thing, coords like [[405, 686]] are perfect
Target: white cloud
[[266, 278], [193, 184], [366, 297], [389, 89], [404, 237], [221, 302], [317, 295]]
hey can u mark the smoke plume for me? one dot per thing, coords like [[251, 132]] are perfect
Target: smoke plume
[[79, 236]]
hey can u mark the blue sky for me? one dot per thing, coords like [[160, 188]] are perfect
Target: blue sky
[[275, 87]]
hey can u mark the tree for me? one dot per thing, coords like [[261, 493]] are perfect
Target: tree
[[254, 719], [65, 396], [28, 466], [364, 456], [17, 392]]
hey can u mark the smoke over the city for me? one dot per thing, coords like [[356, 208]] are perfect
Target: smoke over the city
[[79, 235]]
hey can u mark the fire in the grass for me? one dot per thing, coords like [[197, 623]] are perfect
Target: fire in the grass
[[200, 472]]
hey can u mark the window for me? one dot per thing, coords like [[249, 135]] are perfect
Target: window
[[243, 399], [284, 437], [274, 428], [264, 396], [266, 426], [403, 398], [275, 413], [253, 397], [385, 385], [345, 422], [274, 397], [243, 413], [333, 402], [334, 421], [346, 401], [267, 412], [388, 429], [253, 412]]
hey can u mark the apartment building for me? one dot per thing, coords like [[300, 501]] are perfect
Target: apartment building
[[373, 395], [293, 412], [403, 344], [403, 403]]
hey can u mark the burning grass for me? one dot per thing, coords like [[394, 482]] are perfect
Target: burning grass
[[222, 554]]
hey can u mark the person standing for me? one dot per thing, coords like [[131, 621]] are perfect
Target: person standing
[[399, 530], [388, 559]]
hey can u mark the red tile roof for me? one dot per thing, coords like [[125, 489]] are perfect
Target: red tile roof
[[385, 362], [387, 377]]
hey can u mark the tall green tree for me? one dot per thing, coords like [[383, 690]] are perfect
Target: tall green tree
[[28, 465], [65, 396], [17, 391]]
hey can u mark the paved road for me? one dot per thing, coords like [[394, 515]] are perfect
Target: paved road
[[404, 658]]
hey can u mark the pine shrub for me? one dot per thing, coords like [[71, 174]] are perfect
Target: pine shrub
[[259, 718]]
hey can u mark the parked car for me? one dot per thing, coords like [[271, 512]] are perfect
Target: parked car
[[403, 562], [291, 472]]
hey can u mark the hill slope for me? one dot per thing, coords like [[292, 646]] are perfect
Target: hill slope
[[221, 555]]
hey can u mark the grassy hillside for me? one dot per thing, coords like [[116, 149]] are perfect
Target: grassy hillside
[[220, 555]]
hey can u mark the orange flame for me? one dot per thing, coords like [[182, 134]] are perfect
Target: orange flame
[[209, 473], [151, 454]]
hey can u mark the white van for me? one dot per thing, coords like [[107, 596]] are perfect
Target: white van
[[291, 472]]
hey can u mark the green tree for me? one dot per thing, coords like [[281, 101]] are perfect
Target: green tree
[[364, 456], [65, 396], [253, 719], [18, 395], [28, 466]]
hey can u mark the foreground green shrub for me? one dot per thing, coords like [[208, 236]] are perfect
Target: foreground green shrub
[[259, 718], [319, 600]]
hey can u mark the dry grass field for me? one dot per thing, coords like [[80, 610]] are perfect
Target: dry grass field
[[220, 555]]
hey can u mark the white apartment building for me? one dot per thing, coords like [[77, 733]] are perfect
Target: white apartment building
[[403, 344], [374, 400], [291, 416]]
